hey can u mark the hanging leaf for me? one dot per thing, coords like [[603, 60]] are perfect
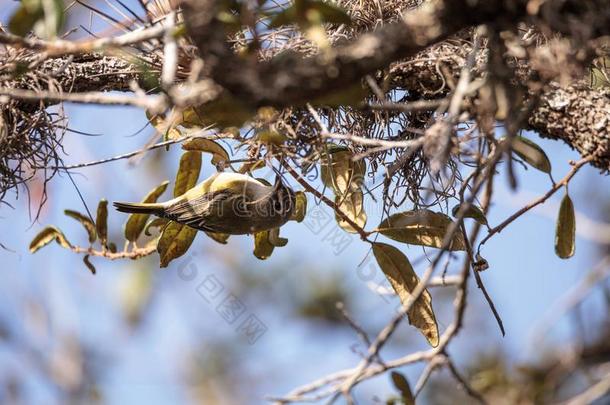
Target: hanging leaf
[[46, 236], [188, 172], [155, 223], [275, 239], [208, 146], [101, 221], [112, 247], [271, 137], [340, 172], [531, 153], [167, 129], [90, 266], [300, 209], [262, 247], [85, 221], [402, 385], [352, 206], [174, 242], [473, 212], [565, 232], [221, 238], [136, 222], [404, 280], [249, 167], [421, 227]]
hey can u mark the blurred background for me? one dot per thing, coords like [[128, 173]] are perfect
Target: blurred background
[[219, 326]]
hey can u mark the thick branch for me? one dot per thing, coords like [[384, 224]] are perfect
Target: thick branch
[[292, 80]]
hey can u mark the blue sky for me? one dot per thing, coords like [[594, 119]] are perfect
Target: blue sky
[[150, 363]]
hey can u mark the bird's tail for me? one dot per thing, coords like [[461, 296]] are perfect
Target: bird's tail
[[139, 208]]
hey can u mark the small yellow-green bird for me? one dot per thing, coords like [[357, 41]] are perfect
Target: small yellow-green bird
[[230, 203]]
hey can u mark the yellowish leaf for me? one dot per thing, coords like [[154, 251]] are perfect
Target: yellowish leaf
[[249, 167], [262, 247], [219, 154], [46, 236], [352, 206], [174, 242], [85, 221], [531, 153], [188, 172], [136, 222], [340, 172], [101, 221], [421, 227], [300, 209], [565, 232], [404, 280], [219, 237], [402, 385], [473, 212]]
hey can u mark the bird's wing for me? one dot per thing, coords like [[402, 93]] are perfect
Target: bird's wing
[[197, 212]]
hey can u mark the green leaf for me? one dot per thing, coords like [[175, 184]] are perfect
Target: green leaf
[[101, 221], [188, 172], [174, 242], [209, 146], [46, 236], [531, 153], [402, 385], [421, 227], [221, 238], [404, 280], [262, 246], [352, 206], [136, 222], [300, 209], [271, 137], [85, 221], [90, 266], [565, 232], [472, 211]]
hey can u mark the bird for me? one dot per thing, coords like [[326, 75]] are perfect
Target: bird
[[229, 203]]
